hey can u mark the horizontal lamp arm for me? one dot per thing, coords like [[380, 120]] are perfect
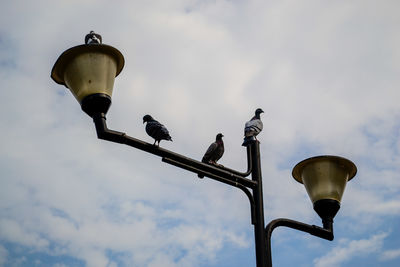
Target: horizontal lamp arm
[[326, 232], [104, 133]]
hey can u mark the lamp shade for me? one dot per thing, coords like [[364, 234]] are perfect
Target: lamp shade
[[324, 177], [88, 70]]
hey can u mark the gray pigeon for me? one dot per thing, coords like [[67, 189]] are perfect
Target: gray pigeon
[[156, 130], [253, 127], [93, 38], [214, 152]]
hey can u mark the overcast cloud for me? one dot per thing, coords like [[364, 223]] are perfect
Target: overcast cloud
[[326, 73]]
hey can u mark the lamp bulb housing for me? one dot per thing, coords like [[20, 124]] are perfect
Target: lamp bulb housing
[[327, 209], [96, 103]]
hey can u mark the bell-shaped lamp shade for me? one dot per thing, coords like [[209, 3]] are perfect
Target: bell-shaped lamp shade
[[325, 178], [89, 72]]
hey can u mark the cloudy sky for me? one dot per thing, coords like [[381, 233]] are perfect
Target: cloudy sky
[[326, 73]]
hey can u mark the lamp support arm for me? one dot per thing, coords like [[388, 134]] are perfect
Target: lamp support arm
[[104, 133], [326, 232], [221, 174]]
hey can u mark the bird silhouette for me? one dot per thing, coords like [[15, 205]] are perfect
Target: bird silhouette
[[214, 152], [156, 130], [93, 38], [253, 127]]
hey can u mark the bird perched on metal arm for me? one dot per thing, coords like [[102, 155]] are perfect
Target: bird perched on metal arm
[[156, 130], [252, 128], [214, 152]]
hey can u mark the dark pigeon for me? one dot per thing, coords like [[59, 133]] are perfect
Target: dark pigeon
[[252, 128], [156, 130], [214, 152], [93, 38]]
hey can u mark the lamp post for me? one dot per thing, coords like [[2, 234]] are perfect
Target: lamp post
[[89, 71]]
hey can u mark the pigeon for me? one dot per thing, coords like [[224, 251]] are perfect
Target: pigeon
[[253, 127], [214, 152], [93, 38], [156, 130]]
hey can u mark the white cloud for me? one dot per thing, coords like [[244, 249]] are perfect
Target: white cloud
[[15, 232], [390, 254], [349, 249], [326, 75]]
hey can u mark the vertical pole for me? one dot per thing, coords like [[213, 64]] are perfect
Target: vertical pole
[[259, 226]]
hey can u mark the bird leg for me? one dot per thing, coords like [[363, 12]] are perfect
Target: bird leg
[[155, 143], [215, 163]]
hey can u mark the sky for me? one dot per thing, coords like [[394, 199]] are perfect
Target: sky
[[326, 73]]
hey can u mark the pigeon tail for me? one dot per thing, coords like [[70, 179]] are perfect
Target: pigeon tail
[[249, 140]]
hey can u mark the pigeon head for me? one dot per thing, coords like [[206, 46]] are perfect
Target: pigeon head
[[259, 111], [219, 136], [147, 118]]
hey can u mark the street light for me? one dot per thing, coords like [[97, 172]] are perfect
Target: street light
[[89, 71], [325, 179]]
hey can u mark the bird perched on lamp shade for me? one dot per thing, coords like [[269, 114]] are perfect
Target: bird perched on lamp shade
[[253, 127], [93, 38], [156, 130], [214, 152]]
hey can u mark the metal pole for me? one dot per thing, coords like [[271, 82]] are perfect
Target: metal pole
[[259, 229]]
